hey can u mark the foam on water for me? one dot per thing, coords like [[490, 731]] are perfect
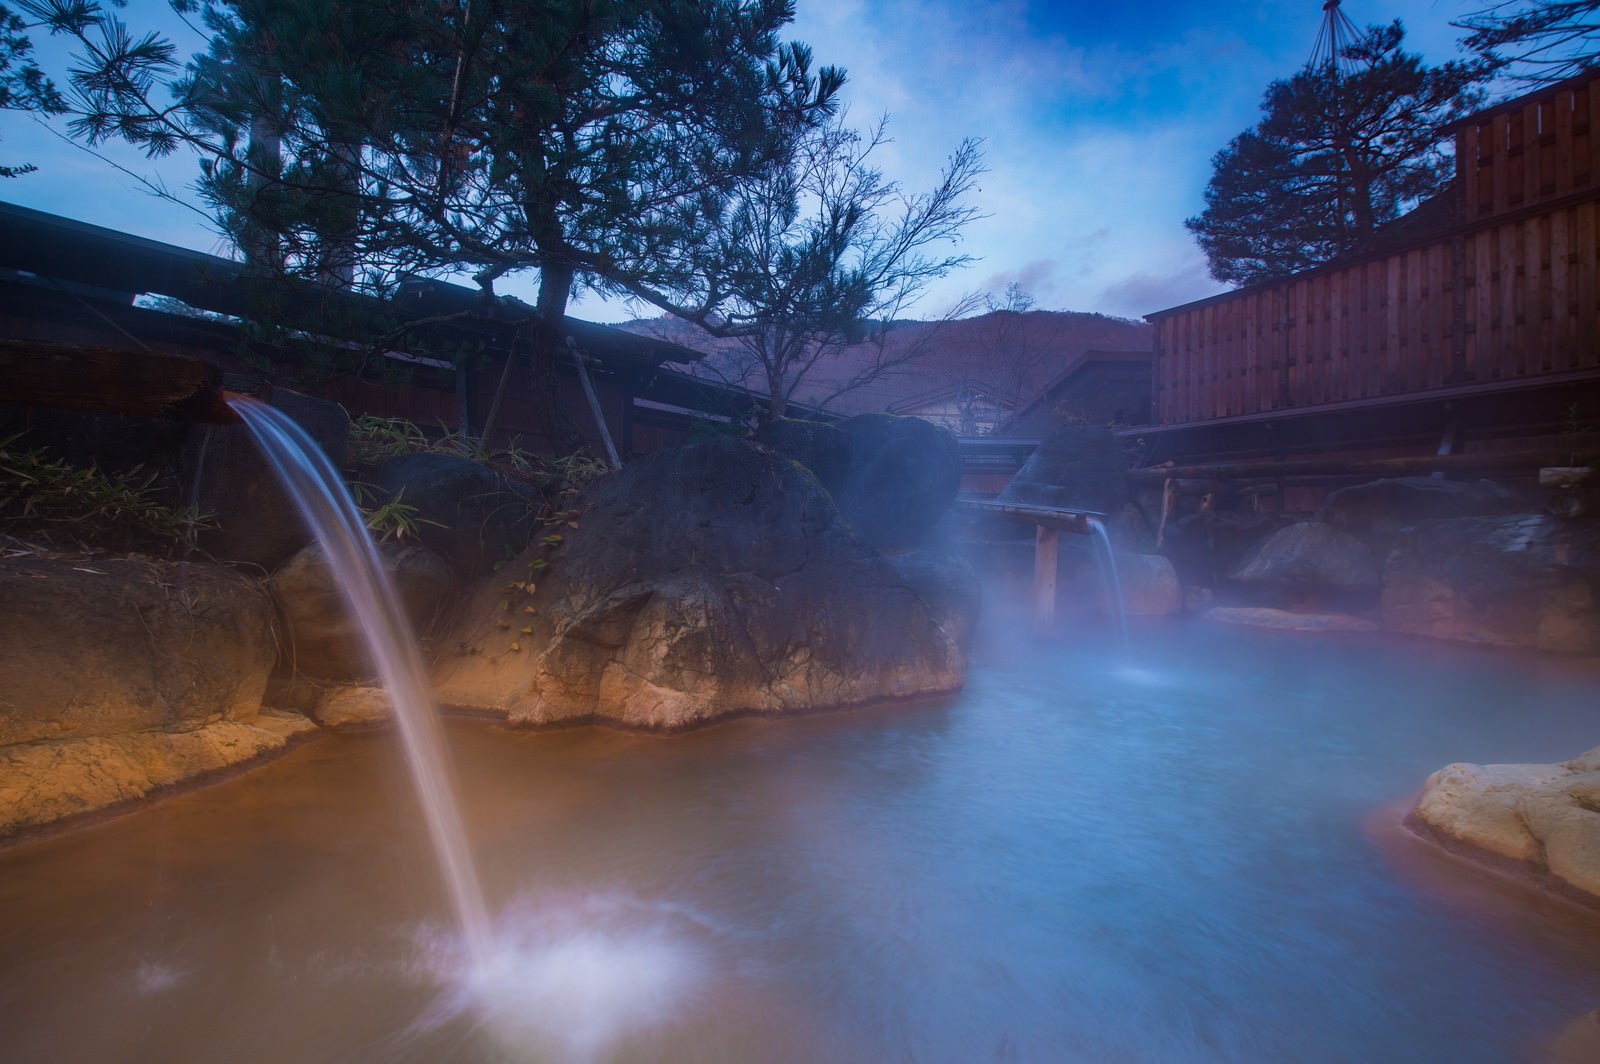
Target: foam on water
[[570, 979]]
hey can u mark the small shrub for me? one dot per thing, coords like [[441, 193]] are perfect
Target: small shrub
[[60, 505]]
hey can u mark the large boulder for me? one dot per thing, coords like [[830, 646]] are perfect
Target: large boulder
[[1207, 546], [101, 646], [1310, 560], [1543, 820], [1376, 511], [904, 473], [706, 580], [1528, 580], [948, 585], [120, 677], [225, 474], [822, 448], [322, 639], [1149, 585], [467, 513]]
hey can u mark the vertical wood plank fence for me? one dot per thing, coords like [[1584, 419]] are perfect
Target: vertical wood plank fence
[[1511, 292]]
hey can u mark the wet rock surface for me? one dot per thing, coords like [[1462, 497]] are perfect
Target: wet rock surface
[[120, 677], [707, 580], [50, 780], [98, 646], [1375, 512], [322, 639], [1542, 820], [1309, 560], [1528, 580]]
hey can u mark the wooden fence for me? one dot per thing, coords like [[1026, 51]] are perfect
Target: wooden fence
[[1512, 293]]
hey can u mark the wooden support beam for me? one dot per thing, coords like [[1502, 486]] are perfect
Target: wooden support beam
[[1377, 467], [1044, 578]]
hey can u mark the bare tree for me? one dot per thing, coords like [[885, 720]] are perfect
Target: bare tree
[[820, 253]]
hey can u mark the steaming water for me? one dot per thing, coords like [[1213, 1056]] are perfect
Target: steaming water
[[330, 513], [1075, 860]]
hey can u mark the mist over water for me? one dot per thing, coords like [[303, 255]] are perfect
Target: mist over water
[[1076, 859]]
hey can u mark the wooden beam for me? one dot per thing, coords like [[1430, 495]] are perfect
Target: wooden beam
[[1378, 467]]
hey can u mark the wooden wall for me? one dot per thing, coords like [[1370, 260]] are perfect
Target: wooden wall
[[1538, 149], [1513, 293]]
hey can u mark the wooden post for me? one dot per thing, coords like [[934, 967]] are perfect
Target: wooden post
[[1044, 578]]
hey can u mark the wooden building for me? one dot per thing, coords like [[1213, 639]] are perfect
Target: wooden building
[[1470, 326], [64, 281]]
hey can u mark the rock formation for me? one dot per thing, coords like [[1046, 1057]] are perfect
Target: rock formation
[[121, 676], [1527, 580], [707, 580], [1541, 820]]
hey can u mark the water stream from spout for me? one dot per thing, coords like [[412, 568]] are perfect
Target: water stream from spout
[[1113, 580], [323, 501]]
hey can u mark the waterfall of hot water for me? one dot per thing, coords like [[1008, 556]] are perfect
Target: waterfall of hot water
[[323, 501]]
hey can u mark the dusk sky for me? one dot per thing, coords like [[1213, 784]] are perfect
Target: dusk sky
[[1098, 120]]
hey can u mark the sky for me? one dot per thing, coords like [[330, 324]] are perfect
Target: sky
[[1098, 121]]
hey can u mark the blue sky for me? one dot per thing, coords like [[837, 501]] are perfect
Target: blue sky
[[1099, 121]]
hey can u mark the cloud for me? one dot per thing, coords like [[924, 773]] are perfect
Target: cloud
[[1147, 291]]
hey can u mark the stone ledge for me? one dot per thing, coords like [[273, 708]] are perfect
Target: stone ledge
[[45, 782], [1288, 621]]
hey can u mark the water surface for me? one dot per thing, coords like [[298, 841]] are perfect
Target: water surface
[[1077, 859]]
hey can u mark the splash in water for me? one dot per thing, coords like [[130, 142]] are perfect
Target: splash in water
[[571, 978]]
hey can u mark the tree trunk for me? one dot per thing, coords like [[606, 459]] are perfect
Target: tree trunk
[[547, 345]]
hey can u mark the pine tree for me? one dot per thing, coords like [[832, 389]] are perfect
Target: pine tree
[[383, 139], [1341, 149], [23, 86]]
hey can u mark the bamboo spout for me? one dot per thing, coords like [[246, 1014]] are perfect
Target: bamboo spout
[[144, 383]]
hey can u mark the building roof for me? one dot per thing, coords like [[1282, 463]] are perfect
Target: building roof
[[121, 266]]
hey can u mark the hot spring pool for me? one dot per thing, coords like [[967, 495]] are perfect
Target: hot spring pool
[[1077, 859]]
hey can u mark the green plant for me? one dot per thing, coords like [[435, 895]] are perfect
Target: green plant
[[571, 472], [373, 438], [62, 505], [391, 519]]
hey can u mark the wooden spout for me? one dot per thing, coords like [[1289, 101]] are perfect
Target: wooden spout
[[144, 383]]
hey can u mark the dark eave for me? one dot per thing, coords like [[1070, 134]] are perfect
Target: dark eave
[[119, 266]]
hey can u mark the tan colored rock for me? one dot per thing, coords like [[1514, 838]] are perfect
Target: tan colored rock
[[1288, 620], [354, 707], [324, 640], [1543, 818], [98, 646], [1480, 805], [1149, 585], [46, 781]]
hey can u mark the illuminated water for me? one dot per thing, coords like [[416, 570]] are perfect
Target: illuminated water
[[1075, 860], [325, 504], [1110, 577]]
